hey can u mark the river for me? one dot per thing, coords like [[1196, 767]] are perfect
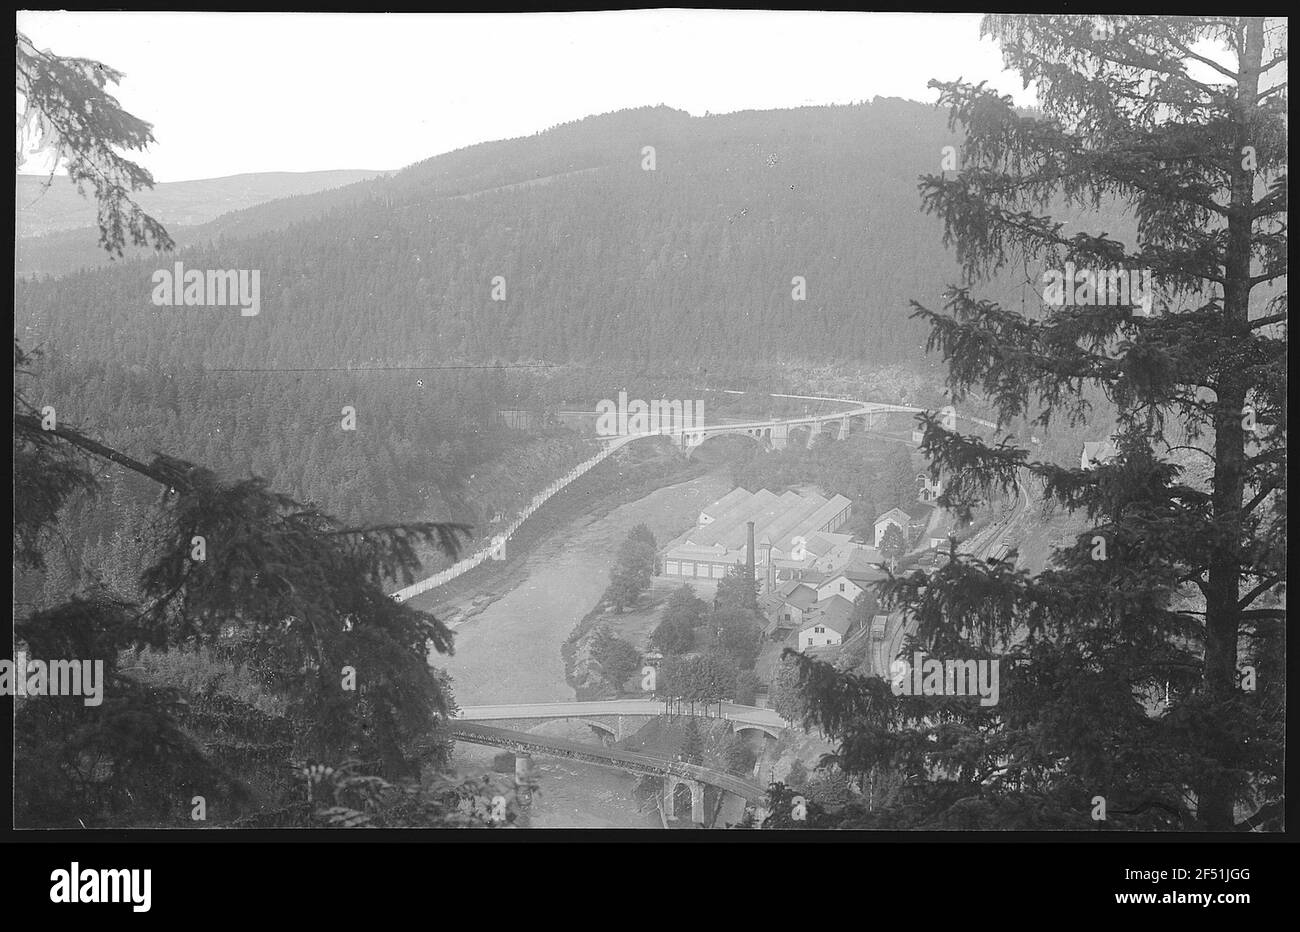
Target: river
[[510, 652]]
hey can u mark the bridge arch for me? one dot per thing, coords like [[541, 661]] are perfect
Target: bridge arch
[[741, 727], [753, 436], [603, 731]]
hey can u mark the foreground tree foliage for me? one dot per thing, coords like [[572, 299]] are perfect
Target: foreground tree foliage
[[65, 107], [232, 575], [1145, 664], [262, 582]]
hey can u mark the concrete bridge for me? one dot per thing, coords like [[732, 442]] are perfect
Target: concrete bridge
[[618, 718], [776, 432], [673, 773]]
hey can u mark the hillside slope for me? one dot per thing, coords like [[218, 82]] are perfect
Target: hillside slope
[[602, 260]]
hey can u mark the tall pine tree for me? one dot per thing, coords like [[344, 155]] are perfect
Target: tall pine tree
[[1120, 661]]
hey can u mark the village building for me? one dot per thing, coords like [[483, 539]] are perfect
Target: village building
[[786, 607], [852, 579], [828, 624], [895, 516], [913, 518], [1095, 453], [828, 552], [798, 605]]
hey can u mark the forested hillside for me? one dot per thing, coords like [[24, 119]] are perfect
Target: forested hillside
[[601, 259]]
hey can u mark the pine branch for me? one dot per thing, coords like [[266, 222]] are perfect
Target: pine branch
[[32, 426], [1260, 589]]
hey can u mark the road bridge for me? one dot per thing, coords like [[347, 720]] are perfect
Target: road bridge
[[776, 431], [616, 717], [672, 772]]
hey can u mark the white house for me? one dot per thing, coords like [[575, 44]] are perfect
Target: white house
[[839, 585], [895, 516], [927, 490], [851, 580], [827, 624]]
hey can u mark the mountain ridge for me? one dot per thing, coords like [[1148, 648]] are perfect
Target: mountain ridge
[[50, 204], [637, 236]]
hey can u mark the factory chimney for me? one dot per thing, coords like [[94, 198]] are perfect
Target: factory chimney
[[749, 550]]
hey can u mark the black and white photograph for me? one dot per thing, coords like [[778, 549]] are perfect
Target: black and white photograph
[[631, 422]]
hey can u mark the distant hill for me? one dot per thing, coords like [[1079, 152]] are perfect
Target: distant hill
[[66, 251], [777, 237], [46, 205], [603, 260]]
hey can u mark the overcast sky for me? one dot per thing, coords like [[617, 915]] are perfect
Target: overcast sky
[[245, 92]]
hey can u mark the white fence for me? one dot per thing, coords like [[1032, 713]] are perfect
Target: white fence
[[461, 567]]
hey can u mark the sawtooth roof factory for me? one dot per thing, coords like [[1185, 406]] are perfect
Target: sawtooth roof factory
[[794, 534]]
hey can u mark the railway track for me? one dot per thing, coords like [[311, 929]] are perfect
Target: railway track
[[993, 543]]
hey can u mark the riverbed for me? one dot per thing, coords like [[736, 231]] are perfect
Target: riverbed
[[510, 651]]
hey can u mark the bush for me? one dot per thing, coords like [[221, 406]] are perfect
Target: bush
[[618, 659]]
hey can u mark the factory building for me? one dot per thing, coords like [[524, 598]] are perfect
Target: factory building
[[792, 532]]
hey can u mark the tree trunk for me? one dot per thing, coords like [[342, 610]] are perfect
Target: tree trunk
[[1222, 615]]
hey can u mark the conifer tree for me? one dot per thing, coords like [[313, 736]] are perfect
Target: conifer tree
[[65, 108], [1173, 575]]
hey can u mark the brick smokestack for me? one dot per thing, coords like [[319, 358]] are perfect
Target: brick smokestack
[[749, 550]]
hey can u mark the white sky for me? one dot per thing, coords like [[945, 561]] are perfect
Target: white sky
[[243, 92]]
